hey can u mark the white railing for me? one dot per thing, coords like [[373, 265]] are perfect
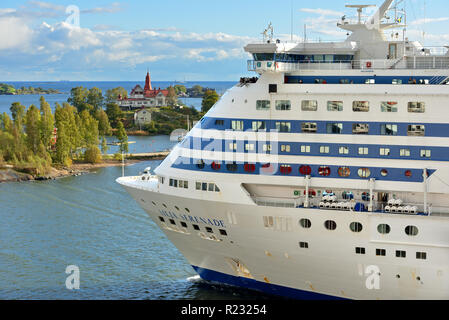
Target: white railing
[[411, 62]]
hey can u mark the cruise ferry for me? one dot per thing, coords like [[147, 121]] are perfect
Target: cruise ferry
[[324, 176]]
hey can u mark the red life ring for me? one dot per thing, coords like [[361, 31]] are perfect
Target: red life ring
[[369, 64]]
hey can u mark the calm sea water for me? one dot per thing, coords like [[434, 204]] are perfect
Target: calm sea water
[[65, 87], [91, 222]]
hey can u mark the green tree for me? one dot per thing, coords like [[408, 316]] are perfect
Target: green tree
[[197, 91], [180, 89], [18, 114], [47, 123], [78, 99], [210, 98], [114, 114], [122, 137], [104, 127], [95, 99], [6, 123], [172, 98], [88, 127], [62, 153], [113, 94], [104, 145], [92, 154], [33, 136]]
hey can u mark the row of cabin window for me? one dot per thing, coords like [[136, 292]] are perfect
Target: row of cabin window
[[326, 150], [357, 227], [286, 169], [178, 183], [195, 226], [205, 186], [331, 128], [357, 106]]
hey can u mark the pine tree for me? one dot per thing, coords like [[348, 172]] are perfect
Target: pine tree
[[32, 121], [122, 137], [47, 123]]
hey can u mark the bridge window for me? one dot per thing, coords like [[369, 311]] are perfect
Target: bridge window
[[334, 128], [309, 105], [283, 105], [381, 252], [219, 122], [263, 105], [309, 127], [416, 107], [335, 106], [283, 126], [389, 129], [263, 56], [360, 250], [237, 125], [360, 128], [416, 130], [389, 106], [360, 106]]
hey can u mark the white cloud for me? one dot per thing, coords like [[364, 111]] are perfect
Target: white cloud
[[322, 12], [428, 20]]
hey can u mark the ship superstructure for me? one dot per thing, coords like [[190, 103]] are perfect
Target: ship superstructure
[[325, 176]]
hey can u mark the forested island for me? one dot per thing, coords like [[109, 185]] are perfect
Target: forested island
[[36, 142], [7, 89]]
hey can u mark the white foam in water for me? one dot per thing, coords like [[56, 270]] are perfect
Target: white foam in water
[[194, 278]]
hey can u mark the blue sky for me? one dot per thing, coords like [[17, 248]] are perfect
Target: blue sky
[[176, 39]]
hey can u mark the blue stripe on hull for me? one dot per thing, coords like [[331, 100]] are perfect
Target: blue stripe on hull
[[214, 276]]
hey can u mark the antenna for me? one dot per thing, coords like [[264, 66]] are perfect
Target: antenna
[[291, 32], [360, 8]]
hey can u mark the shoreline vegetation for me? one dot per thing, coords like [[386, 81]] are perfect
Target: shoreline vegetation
[[7, 89], [39, 144]]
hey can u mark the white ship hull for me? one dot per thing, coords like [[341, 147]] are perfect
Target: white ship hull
[[329, 268]]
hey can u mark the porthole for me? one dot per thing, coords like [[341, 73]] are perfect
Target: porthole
[[154, 203], [364, 173], [356, 227], [187, 209], [330, 225], [164, 205], [344, 172], [176, 208], [383, 228], [411, 231], [324, 171], [305, 170], [183, 224], [200, 164], [305, 223]]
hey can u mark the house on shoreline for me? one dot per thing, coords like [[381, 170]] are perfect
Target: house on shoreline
[[144, 98]]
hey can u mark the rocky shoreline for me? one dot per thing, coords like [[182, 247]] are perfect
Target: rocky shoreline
[[10, 175]]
